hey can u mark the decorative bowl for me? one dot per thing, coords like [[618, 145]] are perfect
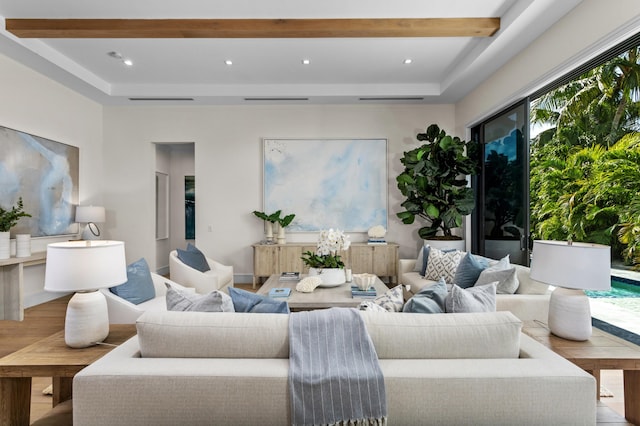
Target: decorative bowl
[[364, 281]]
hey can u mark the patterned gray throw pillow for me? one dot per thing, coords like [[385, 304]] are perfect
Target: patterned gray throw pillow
[[391, 301], [442, 265]]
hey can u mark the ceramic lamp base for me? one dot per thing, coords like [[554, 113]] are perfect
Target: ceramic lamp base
[[87, 320], [570, 314]]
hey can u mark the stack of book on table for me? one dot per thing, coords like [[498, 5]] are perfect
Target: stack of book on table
[[377, 241], [369, 293], [279, 292], [290, 276]]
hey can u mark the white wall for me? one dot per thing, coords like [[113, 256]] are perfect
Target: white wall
[[588, 30], [37, 105], [228, 165]]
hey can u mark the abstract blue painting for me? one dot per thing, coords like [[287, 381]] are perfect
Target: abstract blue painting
[[45, 174], [327, 183]]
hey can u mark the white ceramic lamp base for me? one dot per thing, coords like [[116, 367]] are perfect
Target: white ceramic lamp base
[[87, 320], [570, 314]]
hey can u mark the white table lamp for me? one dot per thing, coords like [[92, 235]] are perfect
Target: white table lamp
[[91, 215], [84, 267], [572, 268]]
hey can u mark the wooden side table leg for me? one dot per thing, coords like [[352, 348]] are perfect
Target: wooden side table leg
[[15, 401], [631, 395], [62, 389], [596, 374]]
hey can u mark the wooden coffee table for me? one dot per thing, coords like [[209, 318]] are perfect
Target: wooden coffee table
[[321, 297], [49, 357], [603, 351]]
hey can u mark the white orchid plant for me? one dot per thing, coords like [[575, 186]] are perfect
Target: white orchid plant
[[330, 244]]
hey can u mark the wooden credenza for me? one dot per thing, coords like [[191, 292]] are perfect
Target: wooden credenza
[[269, 259]]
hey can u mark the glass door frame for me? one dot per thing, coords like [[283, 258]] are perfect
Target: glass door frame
[[477, 183]]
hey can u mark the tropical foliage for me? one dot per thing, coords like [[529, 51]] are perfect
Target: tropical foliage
[[585, 167], [275, 217]]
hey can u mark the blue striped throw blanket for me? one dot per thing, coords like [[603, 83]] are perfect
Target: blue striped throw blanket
[[334, 375]]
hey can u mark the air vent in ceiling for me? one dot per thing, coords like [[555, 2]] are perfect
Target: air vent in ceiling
[[414, 98], [161, 99], [276, 99]]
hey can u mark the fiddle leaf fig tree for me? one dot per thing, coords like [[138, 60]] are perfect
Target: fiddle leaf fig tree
[[434, 182]]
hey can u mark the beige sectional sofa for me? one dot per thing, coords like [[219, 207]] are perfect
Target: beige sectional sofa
[[231, 368], [530, 301]]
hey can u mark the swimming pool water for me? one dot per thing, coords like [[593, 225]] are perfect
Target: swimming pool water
[[618, 290]]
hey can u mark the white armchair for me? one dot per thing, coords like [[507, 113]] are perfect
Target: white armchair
[[121, 311], [218, 278]]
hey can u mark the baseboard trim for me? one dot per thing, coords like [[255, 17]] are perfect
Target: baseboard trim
[[41, 297]]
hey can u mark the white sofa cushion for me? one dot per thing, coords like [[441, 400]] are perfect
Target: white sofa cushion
[[440, 336], [213, 335]]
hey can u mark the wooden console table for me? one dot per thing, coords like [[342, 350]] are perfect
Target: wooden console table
[[49, 357], [602, 351], [12, 284], [270, 259]]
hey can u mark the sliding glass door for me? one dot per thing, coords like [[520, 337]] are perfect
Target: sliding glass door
[[500, 222]]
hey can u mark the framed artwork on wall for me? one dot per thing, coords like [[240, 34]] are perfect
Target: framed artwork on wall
[[45, 174], [190, 207], [327, 183]]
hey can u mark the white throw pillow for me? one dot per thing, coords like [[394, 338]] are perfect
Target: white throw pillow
[[503, 273], [472, 299], [442, 264]]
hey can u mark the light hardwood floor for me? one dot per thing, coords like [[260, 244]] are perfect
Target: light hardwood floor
[[45, 319]]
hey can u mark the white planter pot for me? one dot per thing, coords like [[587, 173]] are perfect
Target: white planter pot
[[268, 231], [330, 276], [5, 245], [447, 244], [282, 238], [23, 245]]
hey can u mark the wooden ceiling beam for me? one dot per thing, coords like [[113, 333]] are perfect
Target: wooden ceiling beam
[[252, 28]]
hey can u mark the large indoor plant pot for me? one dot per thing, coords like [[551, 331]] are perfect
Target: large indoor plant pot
[[446, 244]]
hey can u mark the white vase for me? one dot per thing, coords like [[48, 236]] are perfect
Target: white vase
[[5, 245], [268, 231], [329, 276], [282, 239], [23, 245]]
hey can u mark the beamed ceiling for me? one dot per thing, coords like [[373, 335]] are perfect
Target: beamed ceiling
[[268, 51]]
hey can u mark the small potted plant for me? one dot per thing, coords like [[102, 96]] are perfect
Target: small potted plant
[[8, 219], [326, 261], [270, 219], [284, 222]]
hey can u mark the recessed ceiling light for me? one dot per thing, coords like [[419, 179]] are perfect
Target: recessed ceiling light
[[118, 56], [306, 62], [228, 62], [407, 61]]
